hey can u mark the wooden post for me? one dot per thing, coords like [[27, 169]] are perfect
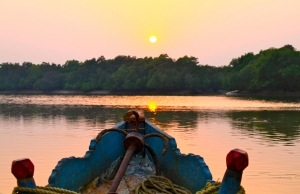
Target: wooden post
[[23, 170], [236, 160]]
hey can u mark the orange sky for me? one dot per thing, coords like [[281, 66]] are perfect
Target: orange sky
[[214, 31]]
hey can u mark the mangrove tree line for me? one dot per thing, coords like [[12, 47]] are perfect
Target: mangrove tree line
[[271, 69]]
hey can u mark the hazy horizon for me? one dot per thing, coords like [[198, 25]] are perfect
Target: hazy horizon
[[213, 31]]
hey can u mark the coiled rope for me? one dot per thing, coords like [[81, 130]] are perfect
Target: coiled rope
[[163, 185], [150, 186], [214, 188], [159, 184], [42, 190]]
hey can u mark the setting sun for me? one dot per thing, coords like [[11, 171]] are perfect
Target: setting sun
[[152, 39]]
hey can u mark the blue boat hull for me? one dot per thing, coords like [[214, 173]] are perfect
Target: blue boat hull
[[189, 171]]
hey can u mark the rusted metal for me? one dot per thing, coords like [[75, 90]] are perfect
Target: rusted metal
[[122, 169], [127, 116], [156, 162], [166, 140], [133, 143], [136, 139], [109, 130]]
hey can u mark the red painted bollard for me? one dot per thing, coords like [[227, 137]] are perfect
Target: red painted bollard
[[23, 170], [237, 160]]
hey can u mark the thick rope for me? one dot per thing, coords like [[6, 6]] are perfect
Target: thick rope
[[214, 188], [159, 184], [42, 190], [150, 186]]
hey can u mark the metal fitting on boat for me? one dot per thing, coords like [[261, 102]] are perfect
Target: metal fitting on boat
[[133, 143], [127, 117], [135, 139]]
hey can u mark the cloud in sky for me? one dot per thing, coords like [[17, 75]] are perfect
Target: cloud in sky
[[214, 31]]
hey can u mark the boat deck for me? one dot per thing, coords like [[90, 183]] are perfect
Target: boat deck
[[137, 171]]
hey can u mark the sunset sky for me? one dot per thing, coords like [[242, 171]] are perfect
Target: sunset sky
[[214, 31]]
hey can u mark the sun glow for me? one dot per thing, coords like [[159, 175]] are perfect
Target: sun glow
[[153, 39], [152, 106]]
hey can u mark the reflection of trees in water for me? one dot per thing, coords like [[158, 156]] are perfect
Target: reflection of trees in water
[[186, 120], [283, 126], [272, 125], [92, 114]]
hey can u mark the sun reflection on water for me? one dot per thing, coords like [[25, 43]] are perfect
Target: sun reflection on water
[[152, 106]]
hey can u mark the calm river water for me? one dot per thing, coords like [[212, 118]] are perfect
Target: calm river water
[[46, 128]]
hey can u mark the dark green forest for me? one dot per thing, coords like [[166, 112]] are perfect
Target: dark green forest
[[271, 69]]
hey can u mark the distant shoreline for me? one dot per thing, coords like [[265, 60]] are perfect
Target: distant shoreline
[[53, 92], [157, 92], [108, 92], [274, 93]]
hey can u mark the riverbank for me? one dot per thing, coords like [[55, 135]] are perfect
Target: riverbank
[[119, 92], [263, 93], [158, 92]]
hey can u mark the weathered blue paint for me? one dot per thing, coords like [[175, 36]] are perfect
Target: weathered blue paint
[[189, 171], [29, 182], [72, 173], [231, 182]]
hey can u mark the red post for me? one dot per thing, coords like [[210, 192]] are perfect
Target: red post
[[23, 170], [236, 160]]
